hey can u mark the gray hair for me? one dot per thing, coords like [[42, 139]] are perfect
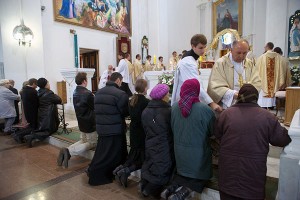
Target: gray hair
[[236, 42], [3, 82]]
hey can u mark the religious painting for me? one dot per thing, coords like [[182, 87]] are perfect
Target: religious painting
[[123, 47], [227, 14], [294, 36], [105, 15]]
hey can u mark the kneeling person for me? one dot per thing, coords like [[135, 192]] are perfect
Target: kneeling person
[[83, 101]]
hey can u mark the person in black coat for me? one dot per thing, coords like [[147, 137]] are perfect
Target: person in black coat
[[137, 135], [83, 101], [30, 102], [48, 121], [15, 91], [159, 156], [111, 108]]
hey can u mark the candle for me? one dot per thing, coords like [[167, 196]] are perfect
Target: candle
[[154, 59]]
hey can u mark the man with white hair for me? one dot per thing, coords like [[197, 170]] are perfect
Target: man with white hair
[[7, 105]]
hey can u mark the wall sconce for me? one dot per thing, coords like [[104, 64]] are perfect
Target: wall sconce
[[23, 34]]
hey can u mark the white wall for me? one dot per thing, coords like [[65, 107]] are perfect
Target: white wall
[[1, 49], [183, 23], [21, 63]]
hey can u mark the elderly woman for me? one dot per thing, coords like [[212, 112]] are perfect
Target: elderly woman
[[47, 113], [245, 131], [7, 105], [159, 162], [192, 125]]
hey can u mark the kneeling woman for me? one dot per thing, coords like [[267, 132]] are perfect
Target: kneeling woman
[[159, 160], [192, 124], [136, 156]]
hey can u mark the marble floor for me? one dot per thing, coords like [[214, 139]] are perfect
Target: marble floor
[[32, 174]]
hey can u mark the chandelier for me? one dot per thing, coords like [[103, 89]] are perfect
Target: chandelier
[[23, 34]]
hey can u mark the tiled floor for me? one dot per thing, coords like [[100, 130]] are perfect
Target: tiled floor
[[32, 174]]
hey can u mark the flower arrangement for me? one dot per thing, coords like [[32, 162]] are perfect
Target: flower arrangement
[[168, 79], [295, 72]]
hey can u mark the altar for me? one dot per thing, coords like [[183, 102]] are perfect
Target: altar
[[152, 77]]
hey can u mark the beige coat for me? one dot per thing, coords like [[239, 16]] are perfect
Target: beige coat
[[222, 77], [272, 82]]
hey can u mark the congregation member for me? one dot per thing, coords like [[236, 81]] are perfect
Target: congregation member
[[192, 124], [83, 101], [188, 69], [173, 61], [229, 74], [245, 131], [7, 105], [30, 102], [111, 108], [148, 65], [138, 68], [159, 156], [275, 76], [105, 76], [48, 121], [15, 91], [125, 69], [136, 156]]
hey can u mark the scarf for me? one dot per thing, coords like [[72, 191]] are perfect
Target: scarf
[[189, 94]]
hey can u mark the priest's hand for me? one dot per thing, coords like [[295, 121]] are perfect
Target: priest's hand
[[215, 107], [235, 96]]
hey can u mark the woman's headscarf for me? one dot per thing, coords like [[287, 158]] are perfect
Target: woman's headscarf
[[189, 94], [247, 94]]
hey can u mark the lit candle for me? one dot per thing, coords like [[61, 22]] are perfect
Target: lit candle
[[154, 59]]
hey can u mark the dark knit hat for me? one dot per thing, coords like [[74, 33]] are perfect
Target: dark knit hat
[[42, 82], [247, 94], [159, 91]]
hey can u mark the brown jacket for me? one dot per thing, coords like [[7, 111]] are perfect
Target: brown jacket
[[245, 131]]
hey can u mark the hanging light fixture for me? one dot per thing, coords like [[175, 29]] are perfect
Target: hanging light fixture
[[23, 33]]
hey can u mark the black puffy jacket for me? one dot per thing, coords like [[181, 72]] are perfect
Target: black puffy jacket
[[83, 101], [159, 156], [111, 108], [47, 112]]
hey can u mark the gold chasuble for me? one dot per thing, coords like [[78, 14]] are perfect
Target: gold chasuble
[[222, 77], [131, 71], [138, 70], [273, 72]]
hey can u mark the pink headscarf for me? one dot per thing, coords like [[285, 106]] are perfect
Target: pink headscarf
[[189, 94]]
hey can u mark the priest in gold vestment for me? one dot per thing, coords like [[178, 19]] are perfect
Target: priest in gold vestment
[[275, 75], [148, 65], [137, 68], [229, 74]]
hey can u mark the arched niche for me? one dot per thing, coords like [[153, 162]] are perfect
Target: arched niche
[[221, 43]]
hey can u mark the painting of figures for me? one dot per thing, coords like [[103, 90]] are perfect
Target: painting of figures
[[106, 15], [227, 14]]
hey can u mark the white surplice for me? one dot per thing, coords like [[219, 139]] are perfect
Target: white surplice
[[187, 69]]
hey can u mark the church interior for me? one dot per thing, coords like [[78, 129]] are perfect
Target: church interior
[[56, 39]]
